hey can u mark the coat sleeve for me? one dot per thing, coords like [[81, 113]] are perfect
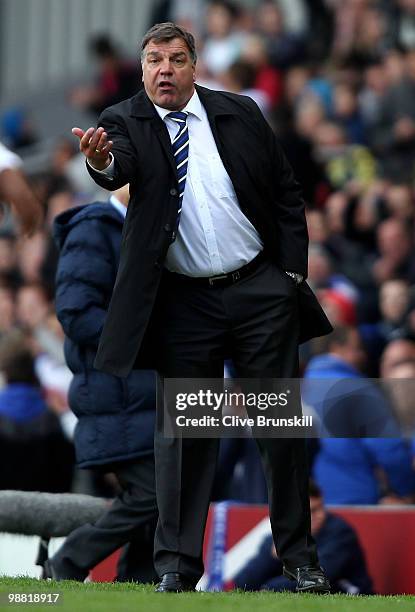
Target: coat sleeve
[[84, 281], [123, 150], [289, 205]]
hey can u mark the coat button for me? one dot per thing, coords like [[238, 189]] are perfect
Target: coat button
[[157, 265], [167, 228], [173, 191]]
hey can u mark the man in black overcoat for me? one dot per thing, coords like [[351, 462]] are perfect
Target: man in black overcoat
[[213, 262]]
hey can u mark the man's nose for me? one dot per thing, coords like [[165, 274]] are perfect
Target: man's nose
[[166, 67]]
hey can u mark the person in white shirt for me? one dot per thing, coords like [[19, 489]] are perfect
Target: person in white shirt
[[15, 191]]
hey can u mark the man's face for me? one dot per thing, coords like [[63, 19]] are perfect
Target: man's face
[[168, 73]]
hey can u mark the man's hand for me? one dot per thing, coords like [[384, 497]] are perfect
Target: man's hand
[[96, 147]]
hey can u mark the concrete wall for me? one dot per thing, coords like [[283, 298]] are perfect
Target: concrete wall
[[43, 42]]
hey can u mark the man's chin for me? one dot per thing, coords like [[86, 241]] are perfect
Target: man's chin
[[167, 100]]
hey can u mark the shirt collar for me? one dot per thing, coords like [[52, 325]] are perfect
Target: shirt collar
[[193, 107], [118, 205]]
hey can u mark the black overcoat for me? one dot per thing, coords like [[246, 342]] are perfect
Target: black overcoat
[[264, 183]]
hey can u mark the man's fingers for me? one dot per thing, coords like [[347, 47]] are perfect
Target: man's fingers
[[102, 142], [78, 132], [107, 147], [93, 144], [94, 140], [84, 138], [86, 141]]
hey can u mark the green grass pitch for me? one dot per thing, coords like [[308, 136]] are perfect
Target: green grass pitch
[[123, 597]]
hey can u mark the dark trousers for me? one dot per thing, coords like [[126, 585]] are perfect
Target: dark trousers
[[255, 323], [131, 519]]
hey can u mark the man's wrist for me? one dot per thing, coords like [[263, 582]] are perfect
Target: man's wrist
[[109, 168], [100, 166]]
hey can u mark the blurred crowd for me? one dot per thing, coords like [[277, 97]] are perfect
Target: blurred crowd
[[336, 80]]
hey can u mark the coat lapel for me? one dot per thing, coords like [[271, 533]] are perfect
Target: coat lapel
[[215, 106], [142, 108]]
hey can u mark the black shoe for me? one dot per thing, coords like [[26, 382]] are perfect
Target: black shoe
[[53, 572], [172, 582], [309, 578]]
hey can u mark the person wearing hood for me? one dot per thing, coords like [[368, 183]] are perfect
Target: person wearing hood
[[362, 458], [115, 426]]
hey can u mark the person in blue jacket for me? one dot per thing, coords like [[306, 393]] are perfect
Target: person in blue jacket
[[115, 427], [35, 455], [338, 548], [361, 459]]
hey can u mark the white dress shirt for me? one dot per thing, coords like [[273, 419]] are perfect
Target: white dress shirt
[[214, 235], [118, 206]]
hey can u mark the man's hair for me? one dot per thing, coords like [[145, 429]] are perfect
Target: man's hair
[[164, 32]]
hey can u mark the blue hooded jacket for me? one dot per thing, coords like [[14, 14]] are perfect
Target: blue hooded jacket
[[116, 415]]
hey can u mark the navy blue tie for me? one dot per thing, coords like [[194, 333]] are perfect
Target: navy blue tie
[[180, 146]]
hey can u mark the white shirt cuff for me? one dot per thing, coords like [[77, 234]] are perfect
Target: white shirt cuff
[[108, 171]]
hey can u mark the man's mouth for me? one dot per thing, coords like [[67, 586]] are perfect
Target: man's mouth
[[165, 85]]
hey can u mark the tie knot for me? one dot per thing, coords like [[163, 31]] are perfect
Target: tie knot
[[178, 116]]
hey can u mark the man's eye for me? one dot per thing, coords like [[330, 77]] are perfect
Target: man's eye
[[179, 61], [154, 61]]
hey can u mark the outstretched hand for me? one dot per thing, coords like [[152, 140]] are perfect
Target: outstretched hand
[[94, 144]]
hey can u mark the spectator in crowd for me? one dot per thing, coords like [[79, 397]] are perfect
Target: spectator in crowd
[[7, 309], [324, 272], [284, 48], [240, 78], [393, 137], [344, 162], [34, 453], [402, 30], [338, 547], [347, 113], [32, 305], [394, 300], [18, 128], [223, 44], [115, 425], [9, 272], [395, 251], [15, 191], [401, 388], [346, 468], [396, 352], [372, 92], [399, 202], [31, 254], [118, 78], [267, 78], [397, 368]]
